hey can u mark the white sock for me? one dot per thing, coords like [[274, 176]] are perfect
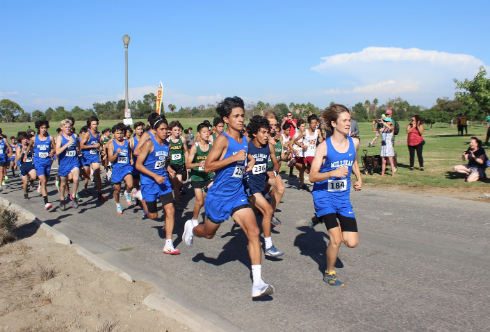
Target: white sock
[[118, 204], [125, 192], [169, 243], [194, 220], [257, 274], [268, 242]]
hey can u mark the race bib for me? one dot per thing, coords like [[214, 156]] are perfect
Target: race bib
[[43, 154], [337, 185], [312, 147], [1, 151], [160, 164], [122, 160], [28, 160], [71, 153], [176, 156], [238, 173], [93, 151], [259, 169], [200, 168]]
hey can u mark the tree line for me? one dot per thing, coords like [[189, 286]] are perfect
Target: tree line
[[472, 99]]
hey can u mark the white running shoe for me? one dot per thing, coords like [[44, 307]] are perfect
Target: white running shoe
[[188, 235], [137, 194], [48, 206], [170, 250], [262, 290]]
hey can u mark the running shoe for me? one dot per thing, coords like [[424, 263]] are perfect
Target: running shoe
[[62, 205], [305, 188], [315, 221], [100, 197], [109, 174], [292, 162], [292, 176], [119, 210], [170, 250], [6, 177], [182, 192], [121, 194], [3, 183], [57, 184], [144, 214], [188, 235], [75, 204], [331, 279], [48, 206], [137, 194], [275, 221], [39, 188], [26, 198], [71, 197], [262, 290], [273, 252], [128, 198], [370, 144]]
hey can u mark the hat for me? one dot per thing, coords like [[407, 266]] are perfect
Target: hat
[[383, 116], [387, 119], [388, 112]]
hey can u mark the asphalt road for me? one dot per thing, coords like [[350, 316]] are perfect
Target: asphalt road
[[422, 262]]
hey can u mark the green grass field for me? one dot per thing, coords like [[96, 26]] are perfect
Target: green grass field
[[442, 150]]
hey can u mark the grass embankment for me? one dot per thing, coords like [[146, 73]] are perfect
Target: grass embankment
[[442, 151]]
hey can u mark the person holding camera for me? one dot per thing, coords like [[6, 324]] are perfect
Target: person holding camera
[[415, 142], [477, 162], [379, 125], [387, 153]]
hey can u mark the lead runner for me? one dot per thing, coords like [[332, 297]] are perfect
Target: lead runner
[[226, 197], [331, 189]]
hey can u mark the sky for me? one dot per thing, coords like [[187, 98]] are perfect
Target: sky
[[69, 53]]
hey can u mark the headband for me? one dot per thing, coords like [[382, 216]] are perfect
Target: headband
[[155, 124]]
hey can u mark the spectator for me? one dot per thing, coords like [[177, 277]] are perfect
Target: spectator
[[387, 152], [460, 127], [354, 128], [389, 114], [190, 138], [464, 125], [475, 155], [379, 125], [415, 130], [326, 133], [487, 122], [293, 122]]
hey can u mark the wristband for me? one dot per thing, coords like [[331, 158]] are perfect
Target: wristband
[[275, 174]]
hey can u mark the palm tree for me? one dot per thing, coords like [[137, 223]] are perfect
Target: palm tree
[[367, 104], [375, 103], [172, 107]]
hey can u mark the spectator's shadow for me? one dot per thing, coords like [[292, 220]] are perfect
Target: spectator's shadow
[[402, 165], [312, 243]]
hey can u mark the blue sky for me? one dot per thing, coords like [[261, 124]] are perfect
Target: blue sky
[[65, 53]]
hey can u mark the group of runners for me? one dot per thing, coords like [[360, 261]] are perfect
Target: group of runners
[[234, 172]]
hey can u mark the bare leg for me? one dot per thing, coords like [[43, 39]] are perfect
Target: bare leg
[[383, 166], [169, 220]]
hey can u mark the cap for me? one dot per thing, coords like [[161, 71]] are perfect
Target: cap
[[388, 112], [383, 116], [387, 119]]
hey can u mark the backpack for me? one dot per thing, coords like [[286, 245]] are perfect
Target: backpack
[[397, 128]]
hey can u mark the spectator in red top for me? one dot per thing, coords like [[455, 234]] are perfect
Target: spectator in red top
[[293, 122], [415, 130]]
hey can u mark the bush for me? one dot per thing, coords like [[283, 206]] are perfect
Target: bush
[[8, 223]]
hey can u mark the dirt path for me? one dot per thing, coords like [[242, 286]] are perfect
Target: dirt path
[[47, 286]]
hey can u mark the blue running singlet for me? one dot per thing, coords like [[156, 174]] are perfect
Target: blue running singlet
[[91, 155], [227, 193], [26, 165], [42, 160], [156, 162], [121, 166], [254, 180], [333, 195], [3, 151], [135, 144], [68, 159], [13, 152]]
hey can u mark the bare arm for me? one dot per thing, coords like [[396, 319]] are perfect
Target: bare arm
[[275, 163], [112, 155], [142, 141], [145, 150], [213, 162], [355, 167], [188, 162], [320, 137], [59, 148]]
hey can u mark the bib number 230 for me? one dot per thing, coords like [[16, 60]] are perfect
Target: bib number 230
[[160, 164]]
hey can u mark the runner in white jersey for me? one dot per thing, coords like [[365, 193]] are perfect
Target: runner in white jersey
[[297, 144], [312, 137]]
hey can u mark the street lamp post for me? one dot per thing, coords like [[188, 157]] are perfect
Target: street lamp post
[[127, 112]]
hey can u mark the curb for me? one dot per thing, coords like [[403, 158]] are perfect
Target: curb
[[156, 300]]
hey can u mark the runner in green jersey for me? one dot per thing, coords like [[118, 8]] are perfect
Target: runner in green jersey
[[177, 154], [219, 127], [200, 180]]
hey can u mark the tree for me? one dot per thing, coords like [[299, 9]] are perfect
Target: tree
[[475, 92], [188, 110], [60, 113], [49, 114], [38, 115], [201, 109], [260, 106], [172, 107], [23, 117], [360, 112], [9, 109]]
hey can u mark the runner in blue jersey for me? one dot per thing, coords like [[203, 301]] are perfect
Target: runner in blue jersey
[[90, 146], [13, 164], [139, 128], [25, 156], [43, 146], [226, 197], [334, 161], [67, 147], [255, 180], [153, 163], [120, 155], [5, 154]]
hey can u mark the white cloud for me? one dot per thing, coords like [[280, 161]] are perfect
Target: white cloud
[[8, 94], [383, 72]]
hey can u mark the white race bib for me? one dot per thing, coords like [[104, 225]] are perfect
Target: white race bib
[[259, 169], [93, 151], [1, 151], [238, 173], [159, 164], [28, 160], [337, 185], [71, 153], [200, 168], [176, 156], [43, 154], [122, 160]]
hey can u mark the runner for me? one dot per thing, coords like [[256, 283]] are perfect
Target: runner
[[178, 152], [13, 164], [274, 180], [331, 189], [200, 180], [129, 132], [27, 170], [43, 145], [226, 196], [90, 146], [312, 138], [120, 155], [254, 181], [67, 147], [5, 154], [298, 147], [219, 126], [139, 128], [106, 137], [152, 163]]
